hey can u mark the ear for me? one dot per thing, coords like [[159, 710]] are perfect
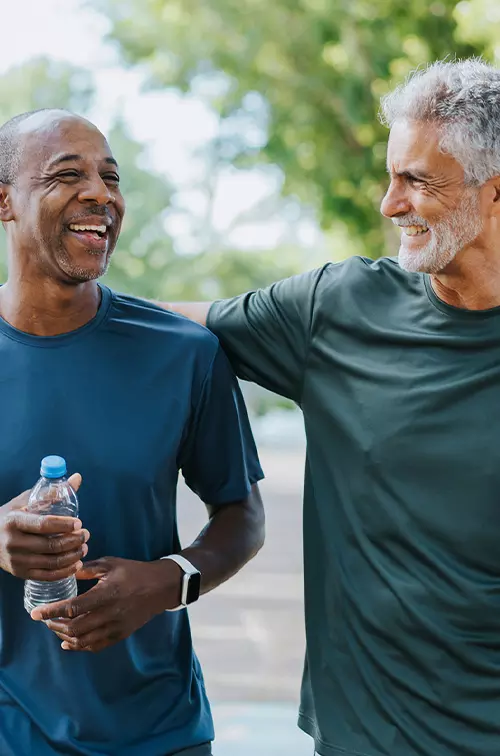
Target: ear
[[6, 213], [490, 198], [493, 188]]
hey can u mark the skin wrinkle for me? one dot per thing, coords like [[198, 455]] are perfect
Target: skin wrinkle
[[51, 290], [461, 249], [36, 210], [447, 208]]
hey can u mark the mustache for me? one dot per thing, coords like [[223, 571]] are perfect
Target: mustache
[[100, 211], [410, 220]]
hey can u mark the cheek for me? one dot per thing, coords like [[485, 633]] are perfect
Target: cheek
[[119, 220], [428, 206], [121, 207]]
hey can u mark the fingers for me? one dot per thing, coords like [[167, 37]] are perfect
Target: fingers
[[95, 641], [43, 557], [93, 599], [95, 569], [29, 522], [50, 575], [79, 627], [34, 544], [90, 633], [53, 563]]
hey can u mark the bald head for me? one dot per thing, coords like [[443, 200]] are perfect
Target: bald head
[[14, 131], [60, 199]]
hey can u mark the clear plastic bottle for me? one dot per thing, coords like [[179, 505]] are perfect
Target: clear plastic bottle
[[52, 495]]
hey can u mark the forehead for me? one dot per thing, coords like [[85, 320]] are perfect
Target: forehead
[[414, 147], [44, 140]]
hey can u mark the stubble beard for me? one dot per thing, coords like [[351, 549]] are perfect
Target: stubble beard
[[78, 274], [448, 237]]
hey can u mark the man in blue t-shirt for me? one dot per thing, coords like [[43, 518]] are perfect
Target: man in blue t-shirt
[[129, 395]]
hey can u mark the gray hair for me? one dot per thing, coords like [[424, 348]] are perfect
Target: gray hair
[[463, 99]]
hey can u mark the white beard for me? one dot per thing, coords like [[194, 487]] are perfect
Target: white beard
[[448, 237]]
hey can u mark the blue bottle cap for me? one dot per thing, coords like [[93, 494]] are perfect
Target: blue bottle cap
[[53, 467]]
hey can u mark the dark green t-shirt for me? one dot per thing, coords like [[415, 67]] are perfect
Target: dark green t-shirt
[[401, 401]]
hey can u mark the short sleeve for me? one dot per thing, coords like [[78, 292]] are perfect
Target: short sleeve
[[266, 333], [218, 458]]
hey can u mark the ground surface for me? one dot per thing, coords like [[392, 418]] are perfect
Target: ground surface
[[249, 633]]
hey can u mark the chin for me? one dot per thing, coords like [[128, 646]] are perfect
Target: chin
[[83, 273], [82, 276], [427, 260]]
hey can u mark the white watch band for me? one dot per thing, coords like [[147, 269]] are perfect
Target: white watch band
[[188, 569]]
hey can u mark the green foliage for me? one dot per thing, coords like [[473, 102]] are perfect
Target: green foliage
[[319, 68], [41, 83], [144, 252], [145, 262], [44, 83]]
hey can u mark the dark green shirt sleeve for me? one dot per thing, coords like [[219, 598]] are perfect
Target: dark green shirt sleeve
[[266, 333]]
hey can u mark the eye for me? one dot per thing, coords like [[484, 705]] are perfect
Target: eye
[[112, 178], [68, 175], [413, 180]]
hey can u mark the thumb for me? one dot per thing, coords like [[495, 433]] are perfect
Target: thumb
[[93, 570], [75, 481]]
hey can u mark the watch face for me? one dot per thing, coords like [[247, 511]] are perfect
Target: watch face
[[194, 585]]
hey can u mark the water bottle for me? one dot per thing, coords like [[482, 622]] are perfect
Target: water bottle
[[52, 495]]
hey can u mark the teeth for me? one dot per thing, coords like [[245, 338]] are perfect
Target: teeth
[[99, 229], [414, 230]]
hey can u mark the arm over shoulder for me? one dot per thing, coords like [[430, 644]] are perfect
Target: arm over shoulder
[[266, 333]]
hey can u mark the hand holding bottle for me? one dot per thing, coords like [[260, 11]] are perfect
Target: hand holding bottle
[[27, 551]]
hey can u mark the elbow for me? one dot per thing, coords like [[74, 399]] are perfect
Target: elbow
[[258, 516]]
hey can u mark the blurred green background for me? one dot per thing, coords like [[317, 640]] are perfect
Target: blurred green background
[[250, 150], [293, 89], [285, 165]]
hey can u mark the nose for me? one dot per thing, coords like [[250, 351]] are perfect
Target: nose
[[96, 191], [395, 202]]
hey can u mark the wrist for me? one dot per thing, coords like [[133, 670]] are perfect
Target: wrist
[[167, 579], [191, 580]]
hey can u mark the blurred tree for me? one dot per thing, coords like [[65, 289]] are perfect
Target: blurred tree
[[479, 25], [145, 262], [42, 83], [297, 82]]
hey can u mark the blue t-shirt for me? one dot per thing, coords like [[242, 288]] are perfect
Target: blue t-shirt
[[129, 399]]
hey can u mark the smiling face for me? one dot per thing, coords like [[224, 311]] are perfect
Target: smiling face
[[63, 212], [438, 214]]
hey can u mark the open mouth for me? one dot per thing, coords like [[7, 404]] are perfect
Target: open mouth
[[414, 230], [94, 237], [99, 232]]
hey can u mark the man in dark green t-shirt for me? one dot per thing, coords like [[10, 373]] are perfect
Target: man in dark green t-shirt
[[396, 366]]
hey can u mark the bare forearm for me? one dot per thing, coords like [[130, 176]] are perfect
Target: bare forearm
[[233, 536], [197, 311]]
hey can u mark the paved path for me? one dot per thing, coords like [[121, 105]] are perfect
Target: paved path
[[249, 633], [259, 730]]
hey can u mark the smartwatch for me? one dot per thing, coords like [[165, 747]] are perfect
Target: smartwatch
[[191, 581]]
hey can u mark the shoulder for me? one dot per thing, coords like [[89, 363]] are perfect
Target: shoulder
[[354, 273], [358, 268], [360, 291], [153, 326], [362, 275]]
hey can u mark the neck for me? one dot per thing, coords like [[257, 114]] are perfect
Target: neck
[[471, 281], [47, 307]]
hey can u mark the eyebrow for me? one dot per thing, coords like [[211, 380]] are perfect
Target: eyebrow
[[68, 158], [411, 174]]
